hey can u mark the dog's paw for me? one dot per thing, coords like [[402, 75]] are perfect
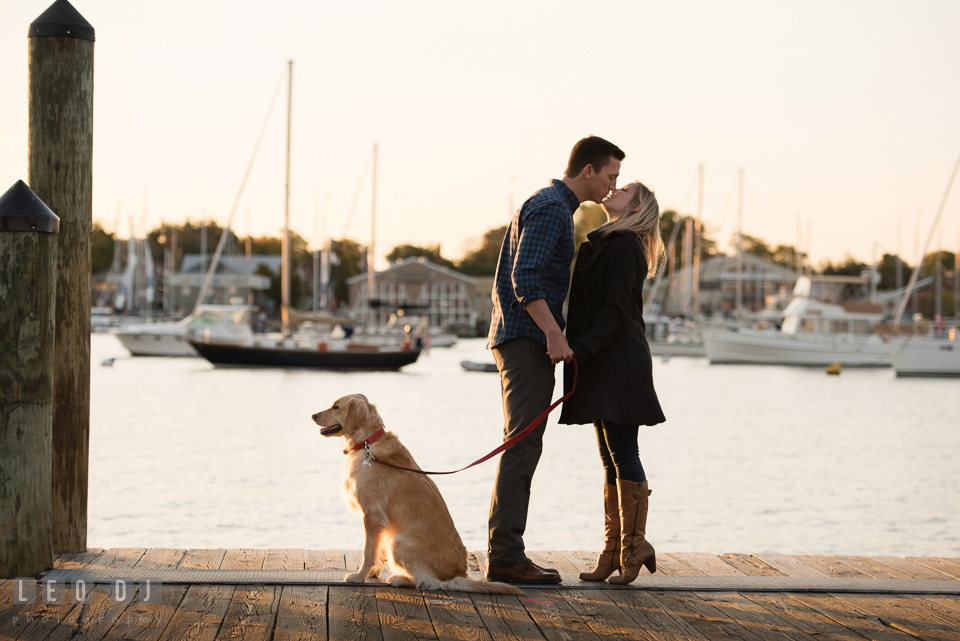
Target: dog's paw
[[401, 581], [356, 577]]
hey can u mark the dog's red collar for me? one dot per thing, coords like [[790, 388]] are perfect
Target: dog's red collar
[[372, 439]]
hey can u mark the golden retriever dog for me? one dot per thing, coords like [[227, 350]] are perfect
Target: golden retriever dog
[[405, 520]]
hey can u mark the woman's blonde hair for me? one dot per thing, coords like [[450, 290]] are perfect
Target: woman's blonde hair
[[645, 222]]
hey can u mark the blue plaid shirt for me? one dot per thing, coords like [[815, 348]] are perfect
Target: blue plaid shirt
[[534, 263]]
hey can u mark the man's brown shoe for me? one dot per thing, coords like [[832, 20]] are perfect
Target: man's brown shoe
[[525, 573], [543, 569]]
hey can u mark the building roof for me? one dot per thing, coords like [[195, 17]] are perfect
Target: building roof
[[414, 263], [233, 264]]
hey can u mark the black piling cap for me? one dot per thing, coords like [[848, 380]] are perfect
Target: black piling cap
[[61, 20], [22, 210]]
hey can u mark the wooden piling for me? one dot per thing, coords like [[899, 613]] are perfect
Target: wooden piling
[[60, 117], [28, 276]]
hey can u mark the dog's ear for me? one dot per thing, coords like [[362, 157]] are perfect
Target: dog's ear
[[355, 411]]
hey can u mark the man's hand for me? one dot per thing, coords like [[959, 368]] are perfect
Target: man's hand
[[557, 347]]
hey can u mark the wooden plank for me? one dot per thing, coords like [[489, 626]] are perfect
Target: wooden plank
[[101, 610], [847, 616], [950, 567], [554, 617], [751, 565], [324, 560], [455, 617], [760, 621], [801, 617], [673, 565], [504, 617], [703, 617], [584, 561], [874, 568], [907, 614], [58, 622], [78, 560], [477, 562], [553, 560], [658, 623], [948, 604], [599, 610], [709, 564], [913, 569], [284, 559], [243, 559], [146, 621], [833, 567], [117, 558], [303, 614], [403, 614], [252, 613], [790, 565], [202, 559], [161, 559], [352, 614], [200, 613], [352, 559]]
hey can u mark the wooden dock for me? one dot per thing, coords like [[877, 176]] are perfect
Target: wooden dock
[[277, 612]]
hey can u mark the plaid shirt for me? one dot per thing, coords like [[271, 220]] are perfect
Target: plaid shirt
[[534, 263]]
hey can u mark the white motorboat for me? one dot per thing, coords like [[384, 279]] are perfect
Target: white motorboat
[[216, 322], [928, 356], [814, 333]]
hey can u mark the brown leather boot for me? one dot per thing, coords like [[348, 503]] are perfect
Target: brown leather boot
[[635, 550], [609, 560]]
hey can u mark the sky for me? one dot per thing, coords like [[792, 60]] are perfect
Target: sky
[[844, 115]]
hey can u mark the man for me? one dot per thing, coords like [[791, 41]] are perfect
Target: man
[[526, 337]]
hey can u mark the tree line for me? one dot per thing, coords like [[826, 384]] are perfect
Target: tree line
[[481, 259]]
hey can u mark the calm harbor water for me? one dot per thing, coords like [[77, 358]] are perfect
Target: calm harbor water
[[751, 459]]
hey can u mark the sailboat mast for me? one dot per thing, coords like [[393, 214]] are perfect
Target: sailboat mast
[[698, 234], [285, 268], [371, 281], [740, 250]]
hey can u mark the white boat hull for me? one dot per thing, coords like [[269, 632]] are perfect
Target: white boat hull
[[666, 348], [770, 347], [152, 344], [922, 356]]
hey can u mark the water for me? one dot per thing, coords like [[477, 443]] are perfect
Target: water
[[751, 459]]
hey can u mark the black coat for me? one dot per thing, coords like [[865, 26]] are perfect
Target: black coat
[[606, 332]]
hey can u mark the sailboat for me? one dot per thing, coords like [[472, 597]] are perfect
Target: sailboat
[[289, 350], [929, 355]]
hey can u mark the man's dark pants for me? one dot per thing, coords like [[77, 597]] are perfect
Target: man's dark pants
[[526, 383]]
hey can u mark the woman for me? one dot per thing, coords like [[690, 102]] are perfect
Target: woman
[[615, 391]]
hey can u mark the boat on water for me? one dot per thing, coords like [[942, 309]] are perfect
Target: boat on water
[[317, 350], [929, 356], [219, 322], [471, 366], [290, 352], [814, 333]]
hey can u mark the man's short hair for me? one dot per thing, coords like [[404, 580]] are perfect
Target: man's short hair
[[594, 151]]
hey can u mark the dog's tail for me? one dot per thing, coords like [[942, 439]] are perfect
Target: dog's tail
[[469, 584]]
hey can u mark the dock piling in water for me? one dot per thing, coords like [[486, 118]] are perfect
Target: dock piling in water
[[60, 115], [28, 276]]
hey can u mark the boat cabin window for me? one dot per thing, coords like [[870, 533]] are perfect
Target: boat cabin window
[[862, 327], [839, 326], [808, 326]]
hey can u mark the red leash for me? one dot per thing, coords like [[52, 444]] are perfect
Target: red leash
[[513, 440]]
